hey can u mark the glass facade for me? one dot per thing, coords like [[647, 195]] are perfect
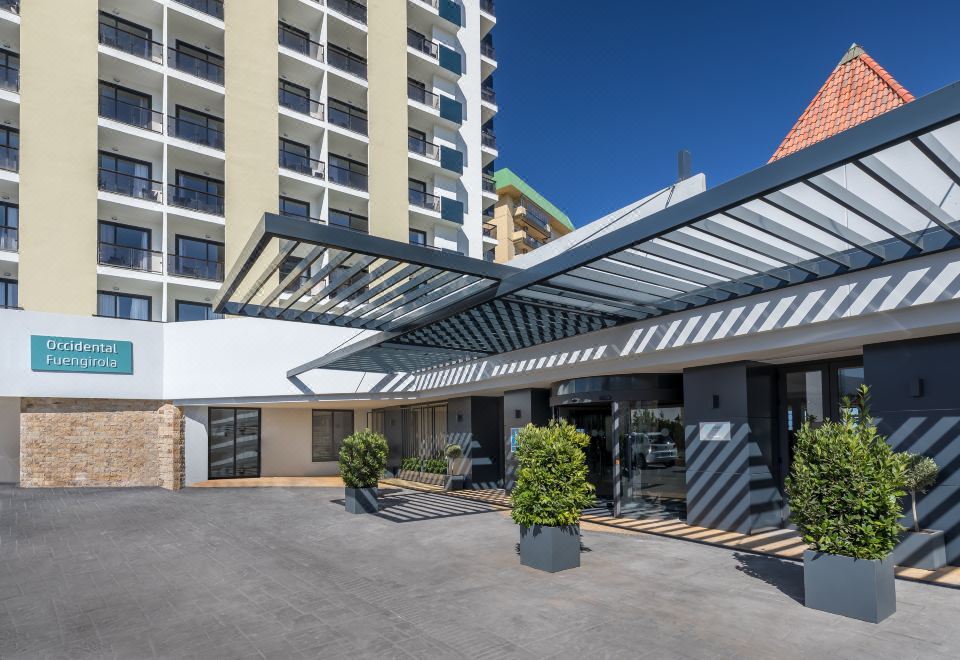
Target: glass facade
[[425, 430], [653, 481]]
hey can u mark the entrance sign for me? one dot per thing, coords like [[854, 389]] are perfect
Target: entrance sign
[[715, 431], [513, 439], [80, 355]]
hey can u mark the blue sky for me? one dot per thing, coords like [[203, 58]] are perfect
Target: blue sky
[[596, 98]]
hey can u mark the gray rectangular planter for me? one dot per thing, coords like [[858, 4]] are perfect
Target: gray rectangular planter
[[925, 549], [862, 589], [550, 549], [361, 500], [453, 482]]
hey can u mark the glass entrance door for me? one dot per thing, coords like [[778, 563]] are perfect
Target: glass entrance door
[[234, 443], [596, 422], [653, 479]]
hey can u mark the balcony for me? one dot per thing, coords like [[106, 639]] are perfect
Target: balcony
[[122, 183], [195, 200], [344, 177], [490, 231], [191, 131], [131, 114], [349, 221], [423, 148], [9, 239], [12, 6], [196, 66], [421, 44], [193, 267], [534, 216], [488, 139], [487, 94], [300, 103], [299, 43], [488, 7], [347, 61], [9, 158], [487, 50], [421, 95], [131, 258], [347, 118], [526, 240], [9, 78], [130, 43], [489, 184], [424, 200], [209, 7], [350, 9], [301, 164]]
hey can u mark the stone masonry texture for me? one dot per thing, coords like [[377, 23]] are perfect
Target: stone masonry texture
[[100, 442]]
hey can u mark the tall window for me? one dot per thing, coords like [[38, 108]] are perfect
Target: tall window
[[330, 427], [349, 220], [234, 442], [126, 36], [348, 172], [9, 226], [126, 105], [199, 258], [123, 305], [294, 38], [9, 69], [198, 192], [126, 176], [8, 293], [295, 156], [193, 311], [9, 149], [347, 116], [199, 127], [295, 97], [199, 62], [124, 246]]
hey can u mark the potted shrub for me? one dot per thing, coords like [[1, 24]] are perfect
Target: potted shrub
[[363, 457], [550, 492], [844, 489], [458, 467], [920, 548]]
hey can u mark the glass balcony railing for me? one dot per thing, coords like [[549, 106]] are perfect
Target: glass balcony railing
[[132, 114], [299, 43], [349, 221], [122, 183], [487, 50], [300, 103], [423, 200], [9, 239], [420, 43], [9, 78], [301, 164], [201, 269], [490, 231], [529, 241], [341, 59], [487, 94], [12, 6], [488, 7], [133, 258], [350, 9], [488, 139], [196, 66], [210, 7], [10, 158], [192, 131], [423, 148], [421, 95], [131, 43], [195, 200], [489, 184], [347, 119], [348, 178]]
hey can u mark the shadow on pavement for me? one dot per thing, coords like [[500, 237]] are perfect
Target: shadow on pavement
[[787, 576]]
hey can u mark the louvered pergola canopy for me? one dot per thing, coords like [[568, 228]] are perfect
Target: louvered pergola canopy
[[881, 192]]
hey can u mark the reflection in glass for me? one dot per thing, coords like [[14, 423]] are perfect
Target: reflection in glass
[[653, 478]]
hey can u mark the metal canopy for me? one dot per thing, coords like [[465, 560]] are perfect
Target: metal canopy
[[881, 192]]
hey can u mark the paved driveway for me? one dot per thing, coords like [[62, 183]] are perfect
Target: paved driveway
[[285, 573]]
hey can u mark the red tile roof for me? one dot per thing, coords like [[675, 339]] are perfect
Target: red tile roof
[[858, 90]]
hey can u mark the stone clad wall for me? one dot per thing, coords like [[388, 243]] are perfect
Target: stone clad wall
[[100, 442]]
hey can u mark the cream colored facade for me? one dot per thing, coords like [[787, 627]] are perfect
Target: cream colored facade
[[518, 225], [151, 151]]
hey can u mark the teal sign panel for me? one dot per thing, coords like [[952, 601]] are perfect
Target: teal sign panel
[[80, 355]]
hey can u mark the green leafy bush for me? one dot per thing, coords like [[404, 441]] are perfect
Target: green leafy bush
[[844, 486], [435, 465], [552, 485], [363, 457], [921, 473], [453, 451]]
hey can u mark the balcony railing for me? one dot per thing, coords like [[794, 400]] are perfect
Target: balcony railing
[[196, 66], [195, 200], [348, 178], [201, 269], [130, 185], [346, 119], [210, 7], [351, 222], [487, 94], [10, 5], [9, 78], [487, 50], [488, 7], [133, 258], [131, 114], [534, 215], [529, 241], [299, 44], [489, 184], [131, 43], [424, 200], [191, 131], [488, 139], [422, 147], [350, 9], [10, 158], [300, 103], [9, 239], [420, 43], [431, 3], [344, 61], [290, 160], [421, 95], [490, 231]]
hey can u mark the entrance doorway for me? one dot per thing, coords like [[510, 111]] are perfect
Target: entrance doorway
[[596, 422], [234, 443]]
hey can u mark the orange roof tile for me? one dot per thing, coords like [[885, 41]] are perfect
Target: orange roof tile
[[858, 90]]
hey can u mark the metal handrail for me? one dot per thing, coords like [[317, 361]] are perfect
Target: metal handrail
[[131, 185], [300, 103], [127, 256], [196, 66], [131, 43], [289, 38], [420, 43], [422, 147], [196, 200], [348, 178], [353, 222], [9, 239], [346, 119], [195, 267], [210, 7], [349, 8], [129, 113], [423, 199], [421, 95], [290, 160], [192, 131]]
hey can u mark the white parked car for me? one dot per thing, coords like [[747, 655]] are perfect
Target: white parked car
[[650, 448]]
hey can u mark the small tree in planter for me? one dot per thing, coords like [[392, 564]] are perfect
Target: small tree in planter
[[363, 457], [550, 492], [844, 489], [920, 548], [458, 467]]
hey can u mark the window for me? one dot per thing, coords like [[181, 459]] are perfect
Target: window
[[126, 36], [294, 208], [198, 127], [126, 105], [9, 69], [342, 281], [124, 246], [295, 97], [194, 311], [295, 38], [418, 237], [330, 427], [289, 265], [126, 176], [295, 156], [348, 172], [199, 62], [123, 306], [198, 192], [347, 116], [9, 149], [343, 59], [349, 220], [9, 226], [196, 257], [233, 442], [8, 293]]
